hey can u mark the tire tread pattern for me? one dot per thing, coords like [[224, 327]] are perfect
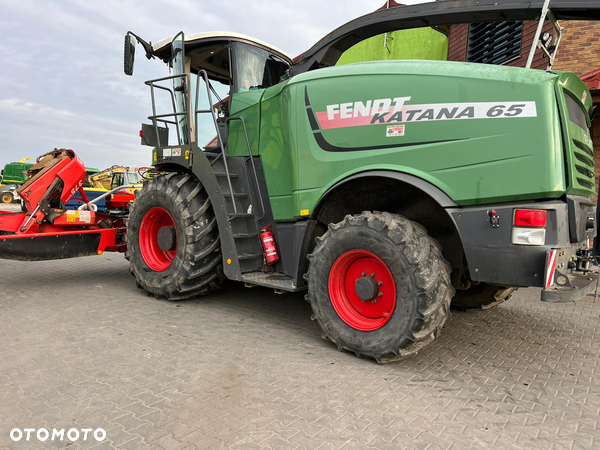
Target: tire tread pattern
[[429, 270], [202, 267]]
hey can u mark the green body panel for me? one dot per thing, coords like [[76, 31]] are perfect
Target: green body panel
[[475, 159], [420, 43], [245, 105], [278, 147]]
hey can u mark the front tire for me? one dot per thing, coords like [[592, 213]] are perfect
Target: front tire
[[173, 244], [379, 286]]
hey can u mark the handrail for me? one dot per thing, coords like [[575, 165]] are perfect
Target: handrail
[[262, 205], [194, 122], [158, 117], [219, 137]]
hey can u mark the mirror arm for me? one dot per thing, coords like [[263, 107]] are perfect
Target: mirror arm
[[147, 46]]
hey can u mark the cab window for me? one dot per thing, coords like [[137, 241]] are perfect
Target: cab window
[[256, 68], [118, 179]]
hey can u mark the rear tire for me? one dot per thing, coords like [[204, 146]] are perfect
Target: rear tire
[[173, 244], [7, 197], [418, 305], [482, 296]]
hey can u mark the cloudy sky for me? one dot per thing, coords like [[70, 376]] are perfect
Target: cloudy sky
[[61, 77]]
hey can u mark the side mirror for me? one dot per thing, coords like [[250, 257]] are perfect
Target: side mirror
[[129, 54]]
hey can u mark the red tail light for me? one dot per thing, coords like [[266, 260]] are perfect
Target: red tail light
[[530, 218]]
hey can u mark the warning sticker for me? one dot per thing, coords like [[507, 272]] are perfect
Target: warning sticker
[[395, 130], [176, 152], [85, 216], [166, 152], [79, 216]]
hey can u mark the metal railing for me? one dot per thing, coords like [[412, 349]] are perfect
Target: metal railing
[[191, 126], [254, 173], [155, 118], [223, 145]]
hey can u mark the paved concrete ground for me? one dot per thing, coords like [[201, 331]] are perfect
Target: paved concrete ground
[[81, 347]]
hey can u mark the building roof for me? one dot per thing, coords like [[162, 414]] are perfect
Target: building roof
[[592, 79], [391, 4], [164, 44]]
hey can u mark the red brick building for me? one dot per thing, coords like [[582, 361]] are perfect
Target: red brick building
[[510, 43]]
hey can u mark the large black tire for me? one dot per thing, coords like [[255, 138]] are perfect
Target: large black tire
[[197, 267], [482, 296], [420, 273]]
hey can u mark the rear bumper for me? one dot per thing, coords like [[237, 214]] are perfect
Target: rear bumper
[[566, 280], [493, 259], [579, 285]]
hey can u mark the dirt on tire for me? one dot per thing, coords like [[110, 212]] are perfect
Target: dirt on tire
[[197, 267], [421, 274]]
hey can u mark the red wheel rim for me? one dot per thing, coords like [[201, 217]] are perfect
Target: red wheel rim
[[352, 270], [155, 257]]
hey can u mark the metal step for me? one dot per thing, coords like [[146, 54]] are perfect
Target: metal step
[[240, 215], [245, 256], [275, 281]]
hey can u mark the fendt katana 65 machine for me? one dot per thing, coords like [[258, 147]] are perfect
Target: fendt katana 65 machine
[[384, 188], [387, 190]]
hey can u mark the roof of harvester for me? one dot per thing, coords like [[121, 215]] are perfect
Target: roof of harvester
[[198, 38]]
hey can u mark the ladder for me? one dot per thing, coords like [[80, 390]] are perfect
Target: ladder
[[239, 183]]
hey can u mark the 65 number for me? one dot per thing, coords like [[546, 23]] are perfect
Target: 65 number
[[503, 110]]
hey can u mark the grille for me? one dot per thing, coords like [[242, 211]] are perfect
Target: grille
[[585, 183], [584, 149], [583, 160], [494, 42], [585, 172]]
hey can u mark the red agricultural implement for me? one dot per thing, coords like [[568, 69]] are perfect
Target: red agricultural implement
[[48, 229]]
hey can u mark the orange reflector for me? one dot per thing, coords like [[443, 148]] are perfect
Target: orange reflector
[[530, 218]]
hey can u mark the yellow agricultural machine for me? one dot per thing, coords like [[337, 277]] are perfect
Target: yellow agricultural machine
[[116, 176]]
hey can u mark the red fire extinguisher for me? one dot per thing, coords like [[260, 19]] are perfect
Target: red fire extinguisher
[[268, 243]]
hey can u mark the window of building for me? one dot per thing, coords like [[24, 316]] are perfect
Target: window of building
[[494, 42]]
